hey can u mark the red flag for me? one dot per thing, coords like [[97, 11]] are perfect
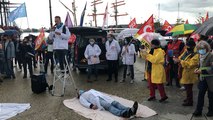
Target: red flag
[[40, 40], [148, 26], [132, 24], [187, 22], [203, 20], [166, 26], [72, 38], [207, 16], [105, 20]]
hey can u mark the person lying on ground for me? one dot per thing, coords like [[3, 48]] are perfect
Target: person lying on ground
[[96, 100]]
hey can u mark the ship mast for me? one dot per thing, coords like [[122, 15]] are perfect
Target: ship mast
[[5, 5], [94, 14], [115, 5]]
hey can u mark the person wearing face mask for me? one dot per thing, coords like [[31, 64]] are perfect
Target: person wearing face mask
[[189, 61], [128, 52], [173, 48], [92, 53], [157, 71], [205, 73], [112, 55]]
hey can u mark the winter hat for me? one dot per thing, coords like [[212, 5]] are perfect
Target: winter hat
[[155, 42], [191, 43]]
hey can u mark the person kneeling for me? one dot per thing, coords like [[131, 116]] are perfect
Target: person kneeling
[[96, 100]]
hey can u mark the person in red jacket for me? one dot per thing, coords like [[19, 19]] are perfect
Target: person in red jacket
[[173, 49]]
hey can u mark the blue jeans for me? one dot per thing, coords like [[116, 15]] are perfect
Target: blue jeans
[[115, 107]]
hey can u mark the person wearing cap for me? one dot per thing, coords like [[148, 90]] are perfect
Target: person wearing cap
[[205, 73], [96, 100], [157, 71], [189, 61], [92, 53], [112, 55]]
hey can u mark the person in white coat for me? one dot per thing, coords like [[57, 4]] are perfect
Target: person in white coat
[[92, 53], [128, 53], [93, 99], [60, 36], [112, 55]]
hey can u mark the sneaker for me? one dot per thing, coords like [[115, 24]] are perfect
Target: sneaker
[[151, 98], [163, 99], [132, 81], [182, 88]]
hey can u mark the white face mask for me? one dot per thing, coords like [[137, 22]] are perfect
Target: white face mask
[[110, 39], [91, 43]]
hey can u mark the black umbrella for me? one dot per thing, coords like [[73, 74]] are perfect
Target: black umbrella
[[9, 32], [206, 28]]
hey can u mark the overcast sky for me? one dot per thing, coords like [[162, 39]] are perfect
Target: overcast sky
[[38, 11]]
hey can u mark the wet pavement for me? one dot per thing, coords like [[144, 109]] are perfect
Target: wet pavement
[[47, 107]]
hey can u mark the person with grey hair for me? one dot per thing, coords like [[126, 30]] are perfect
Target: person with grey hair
[[92, 53], [205, 73]]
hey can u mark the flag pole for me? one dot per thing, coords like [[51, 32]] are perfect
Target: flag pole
[[27, 16]]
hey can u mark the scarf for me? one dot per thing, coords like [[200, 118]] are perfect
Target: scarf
[[58, 26]]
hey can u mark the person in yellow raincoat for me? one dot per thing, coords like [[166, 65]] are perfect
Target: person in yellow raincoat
[[158, 76], [189, 61]]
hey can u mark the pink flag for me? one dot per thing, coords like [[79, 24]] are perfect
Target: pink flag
[[68, 21], [105, 21]]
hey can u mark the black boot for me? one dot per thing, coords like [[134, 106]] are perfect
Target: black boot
[[209, 114], [126, 114], [197, 113], [134, 108]]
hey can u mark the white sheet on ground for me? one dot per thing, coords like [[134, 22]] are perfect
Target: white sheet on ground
[[8, 110], [75, 105]]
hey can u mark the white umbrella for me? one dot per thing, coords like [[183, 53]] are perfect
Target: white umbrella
[[1, 30], [127, 33], [147, 37]]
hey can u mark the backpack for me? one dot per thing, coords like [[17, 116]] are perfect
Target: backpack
[[39, 83]]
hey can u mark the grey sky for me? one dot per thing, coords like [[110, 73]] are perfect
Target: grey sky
[[38, 11]]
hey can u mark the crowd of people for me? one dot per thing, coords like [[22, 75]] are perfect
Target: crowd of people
[[184, 63]]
